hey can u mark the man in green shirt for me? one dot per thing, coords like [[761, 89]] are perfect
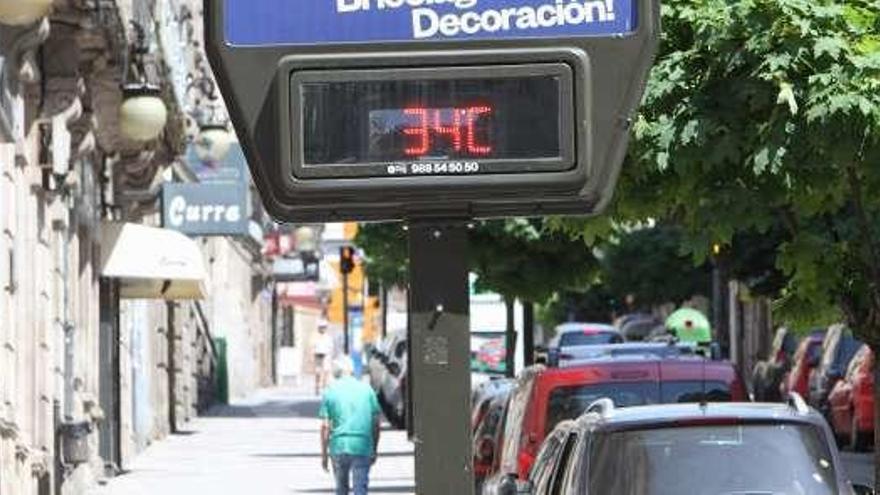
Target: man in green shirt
[[349, 429]]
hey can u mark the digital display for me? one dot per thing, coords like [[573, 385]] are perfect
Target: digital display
[[462, 132], [478, 120]]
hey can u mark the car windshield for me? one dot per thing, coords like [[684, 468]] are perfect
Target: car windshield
[[571, 402], [569, 339], [766, 459]]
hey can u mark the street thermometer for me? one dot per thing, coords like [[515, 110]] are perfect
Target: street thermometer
[[396, 109], [433, 112]]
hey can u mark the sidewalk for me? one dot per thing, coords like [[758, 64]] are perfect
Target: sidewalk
[[267, 445]]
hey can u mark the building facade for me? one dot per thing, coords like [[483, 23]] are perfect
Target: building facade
[[114, 332]]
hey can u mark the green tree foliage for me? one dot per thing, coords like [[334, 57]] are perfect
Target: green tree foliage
[[520, 258], [517, 258], [386, 256], [650, 264], [594, 303]]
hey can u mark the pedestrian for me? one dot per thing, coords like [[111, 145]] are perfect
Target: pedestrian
[[322, 351], [349, 429]]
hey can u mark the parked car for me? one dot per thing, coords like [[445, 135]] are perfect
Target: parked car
[[838, 349], [579, 335], [638, 326], [767, 375], [851, 402], [702, 449], [545, 397], [488, 436], [483, 395], [578, 355], [807, 357], [387, 366]]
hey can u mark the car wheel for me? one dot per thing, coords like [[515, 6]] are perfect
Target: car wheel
[[859, 441]]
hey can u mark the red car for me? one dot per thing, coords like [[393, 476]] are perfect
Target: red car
[[546, 396], [852, 402], [806, 357]]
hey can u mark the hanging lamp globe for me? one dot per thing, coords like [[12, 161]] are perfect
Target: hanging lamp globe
[[306, 239], [213, 143], [143, 114], [23, 12]]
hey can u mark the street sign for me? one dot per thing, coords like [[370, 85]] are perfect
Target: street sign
[[206, 209], [321, 22], [398, 109]]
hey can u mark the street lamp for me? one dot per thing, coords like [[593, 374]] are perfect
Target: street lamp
[[213, 142], [306, 240], [214, 139], [143, 114], [23, 12]]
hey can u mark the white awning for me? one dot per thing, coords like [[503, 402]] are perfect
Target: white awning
[[152, 263]]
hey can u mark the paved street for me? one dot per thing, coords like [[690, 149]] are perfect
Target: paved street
[[268, 445]]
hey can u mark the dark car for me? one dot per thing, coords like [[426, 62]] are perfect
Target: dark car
[[767, 375], [838, 350], [699, 449], [545, 397], [579, 335], [637, 327]]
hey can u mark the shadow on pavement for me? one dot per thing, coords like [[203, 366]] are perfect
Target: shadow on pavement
[[267, 409]]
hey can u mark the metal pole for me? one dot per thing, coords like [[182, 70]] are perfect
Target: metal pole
[[439, 356], [346, 337], [384, 291], [528, 333], [510, 338], [172, 367]]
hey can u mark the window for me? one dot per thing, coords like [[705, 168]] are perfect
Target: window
[[560, 469], [779, 458], [570, 402], [542, 471], [583, 338], [693, 391], [400, 349]]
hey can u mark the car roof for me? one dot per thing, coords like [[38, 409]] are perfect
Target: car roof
[[649, 367], [722, 411], [588, 353]]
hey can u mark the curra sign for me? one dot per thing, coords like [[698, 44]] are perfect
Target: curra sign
[[205, 209]]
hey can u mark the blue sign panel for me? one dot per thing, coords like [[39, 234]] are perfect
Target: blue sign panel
[[317, 22], [206, 209]]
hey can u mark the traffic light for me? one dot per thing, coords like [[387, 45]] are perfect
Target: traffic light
[[346, 259]]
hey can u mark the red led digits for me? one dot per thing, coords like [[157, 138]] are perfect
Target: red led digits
[[454, 130], [420, 132], [473, 147], [460, 129]]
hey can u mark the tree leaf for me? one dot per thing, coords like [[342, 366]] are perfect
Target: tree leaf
[[786, 96]]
